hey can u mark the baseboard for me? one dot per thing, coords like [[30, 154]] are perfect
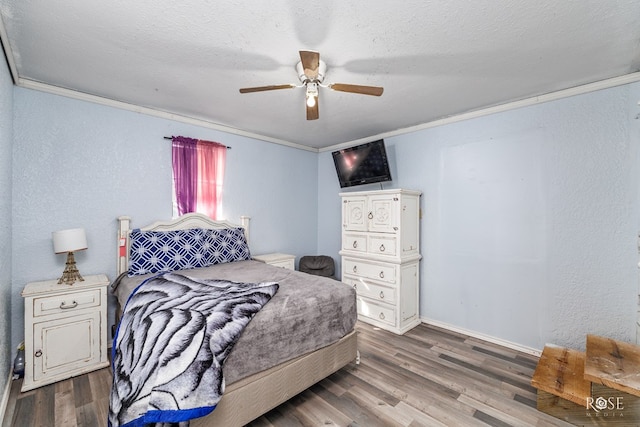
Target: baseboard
[[481, 336], [5, 397]]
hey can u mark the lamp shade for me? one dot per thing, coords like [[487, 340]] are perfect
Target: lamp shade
[[70, 240]]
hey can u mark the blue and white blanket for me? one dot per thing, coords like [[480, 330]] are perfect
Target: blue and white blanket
[[170, 345]]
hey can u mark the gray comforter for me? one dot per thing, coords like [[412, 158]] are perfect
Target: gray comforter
[[307, 313]]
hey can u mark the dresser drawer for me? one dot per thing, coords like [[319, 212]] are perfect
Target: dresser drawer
[[383, 245], [354, 242], [377, 244], [377, 312], [378, 271], [371, 290], [60, 303]]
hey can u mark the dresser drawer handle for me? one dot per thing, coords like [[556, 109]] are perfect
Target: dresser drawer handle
[[370, 216], [381, 274], [381, 316], [38, 353], [355, 268], [64, 306], [381, 295], [382, 248], [355, 244], [355, 286]]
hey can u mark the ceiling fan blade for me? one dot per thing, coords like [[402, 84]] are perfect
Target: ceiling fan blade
[[364, 90], [263, 88], [310, 63], [312, 112]]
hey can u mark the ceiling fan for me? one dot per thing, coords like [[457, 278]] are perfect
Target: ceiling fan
[[311, 72]]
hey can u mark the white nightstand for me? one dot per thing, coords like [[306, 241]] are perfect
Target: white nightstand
[[278, 259], [65, 329]]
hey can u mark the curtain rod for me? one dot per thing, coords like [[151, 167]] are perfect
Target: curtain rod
[[171, 138]]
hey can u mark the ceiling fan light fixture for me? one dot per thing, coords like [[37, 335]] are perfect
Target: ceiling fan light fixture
[[312, 94], [311, 72], [311, 101]]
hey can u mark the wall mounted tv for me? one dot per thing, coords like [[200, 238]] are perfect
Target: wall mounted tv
[[362, 164]]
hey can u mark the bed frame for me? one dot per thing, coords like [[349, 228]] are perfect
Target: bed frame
[[253, 396]]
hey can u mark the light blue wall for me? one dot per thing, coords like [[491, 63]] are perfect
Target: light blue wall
[[530, 216], [530, 220], [78, 164], [6, 142]]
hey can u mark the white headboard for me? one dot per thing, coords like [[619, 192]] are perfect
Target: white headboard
[[184, 222]]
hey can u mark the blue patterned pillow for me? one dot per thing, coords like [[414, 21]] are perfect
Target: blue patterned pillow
[[162, 251]]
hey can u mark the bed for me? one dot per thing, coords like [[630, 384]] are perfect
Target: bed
[[310, 321]]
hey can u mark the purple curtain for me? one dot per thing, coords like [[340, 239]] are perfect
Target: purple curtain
[[185, 173]]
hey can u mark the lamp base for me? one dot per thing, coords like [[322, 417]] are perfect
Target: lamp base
[[70, 275]]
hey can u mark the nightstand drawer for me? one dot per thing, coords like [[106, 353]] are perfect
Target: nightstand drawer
[[278, 260], [61, 303], [289, 264]]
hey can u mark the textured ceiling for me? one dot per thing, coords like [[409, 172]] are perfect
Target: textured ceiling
[[435, 59]]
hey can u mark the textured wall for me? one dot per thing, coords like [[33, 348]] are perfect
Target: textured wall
[[6, 139], [530, 218], [78, 164]]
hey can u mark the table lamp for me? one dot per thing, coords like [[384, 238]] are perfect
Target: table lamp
[[69, 241]]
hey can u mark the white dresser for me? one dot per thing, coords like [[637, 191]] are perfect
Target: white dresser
[[65, 329], [381, 256]]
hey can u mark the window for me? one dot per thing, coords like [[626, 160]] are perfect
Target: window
[[198, 174]]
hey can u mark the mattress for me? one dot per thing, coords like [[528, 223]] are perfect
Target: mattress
[[306, 314]]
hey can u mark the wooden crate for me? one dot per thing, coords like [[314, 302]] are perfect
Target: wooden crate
[[560, 372], [615, 364]]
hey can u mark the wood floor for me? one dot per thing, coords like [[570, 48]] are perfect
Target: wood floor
[[428, 377]]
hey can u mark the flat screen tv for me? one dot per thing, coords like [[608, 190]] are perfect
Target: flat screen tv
[[362, 164]]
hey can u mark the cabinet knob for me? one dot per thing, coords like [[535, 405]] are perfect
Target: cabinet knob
[[355, 286], [382, 248], [64, 306], [381, 295], [370, 216], [381, 274], [355, 244], [355, 268], [381, 316], [38, 353]]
